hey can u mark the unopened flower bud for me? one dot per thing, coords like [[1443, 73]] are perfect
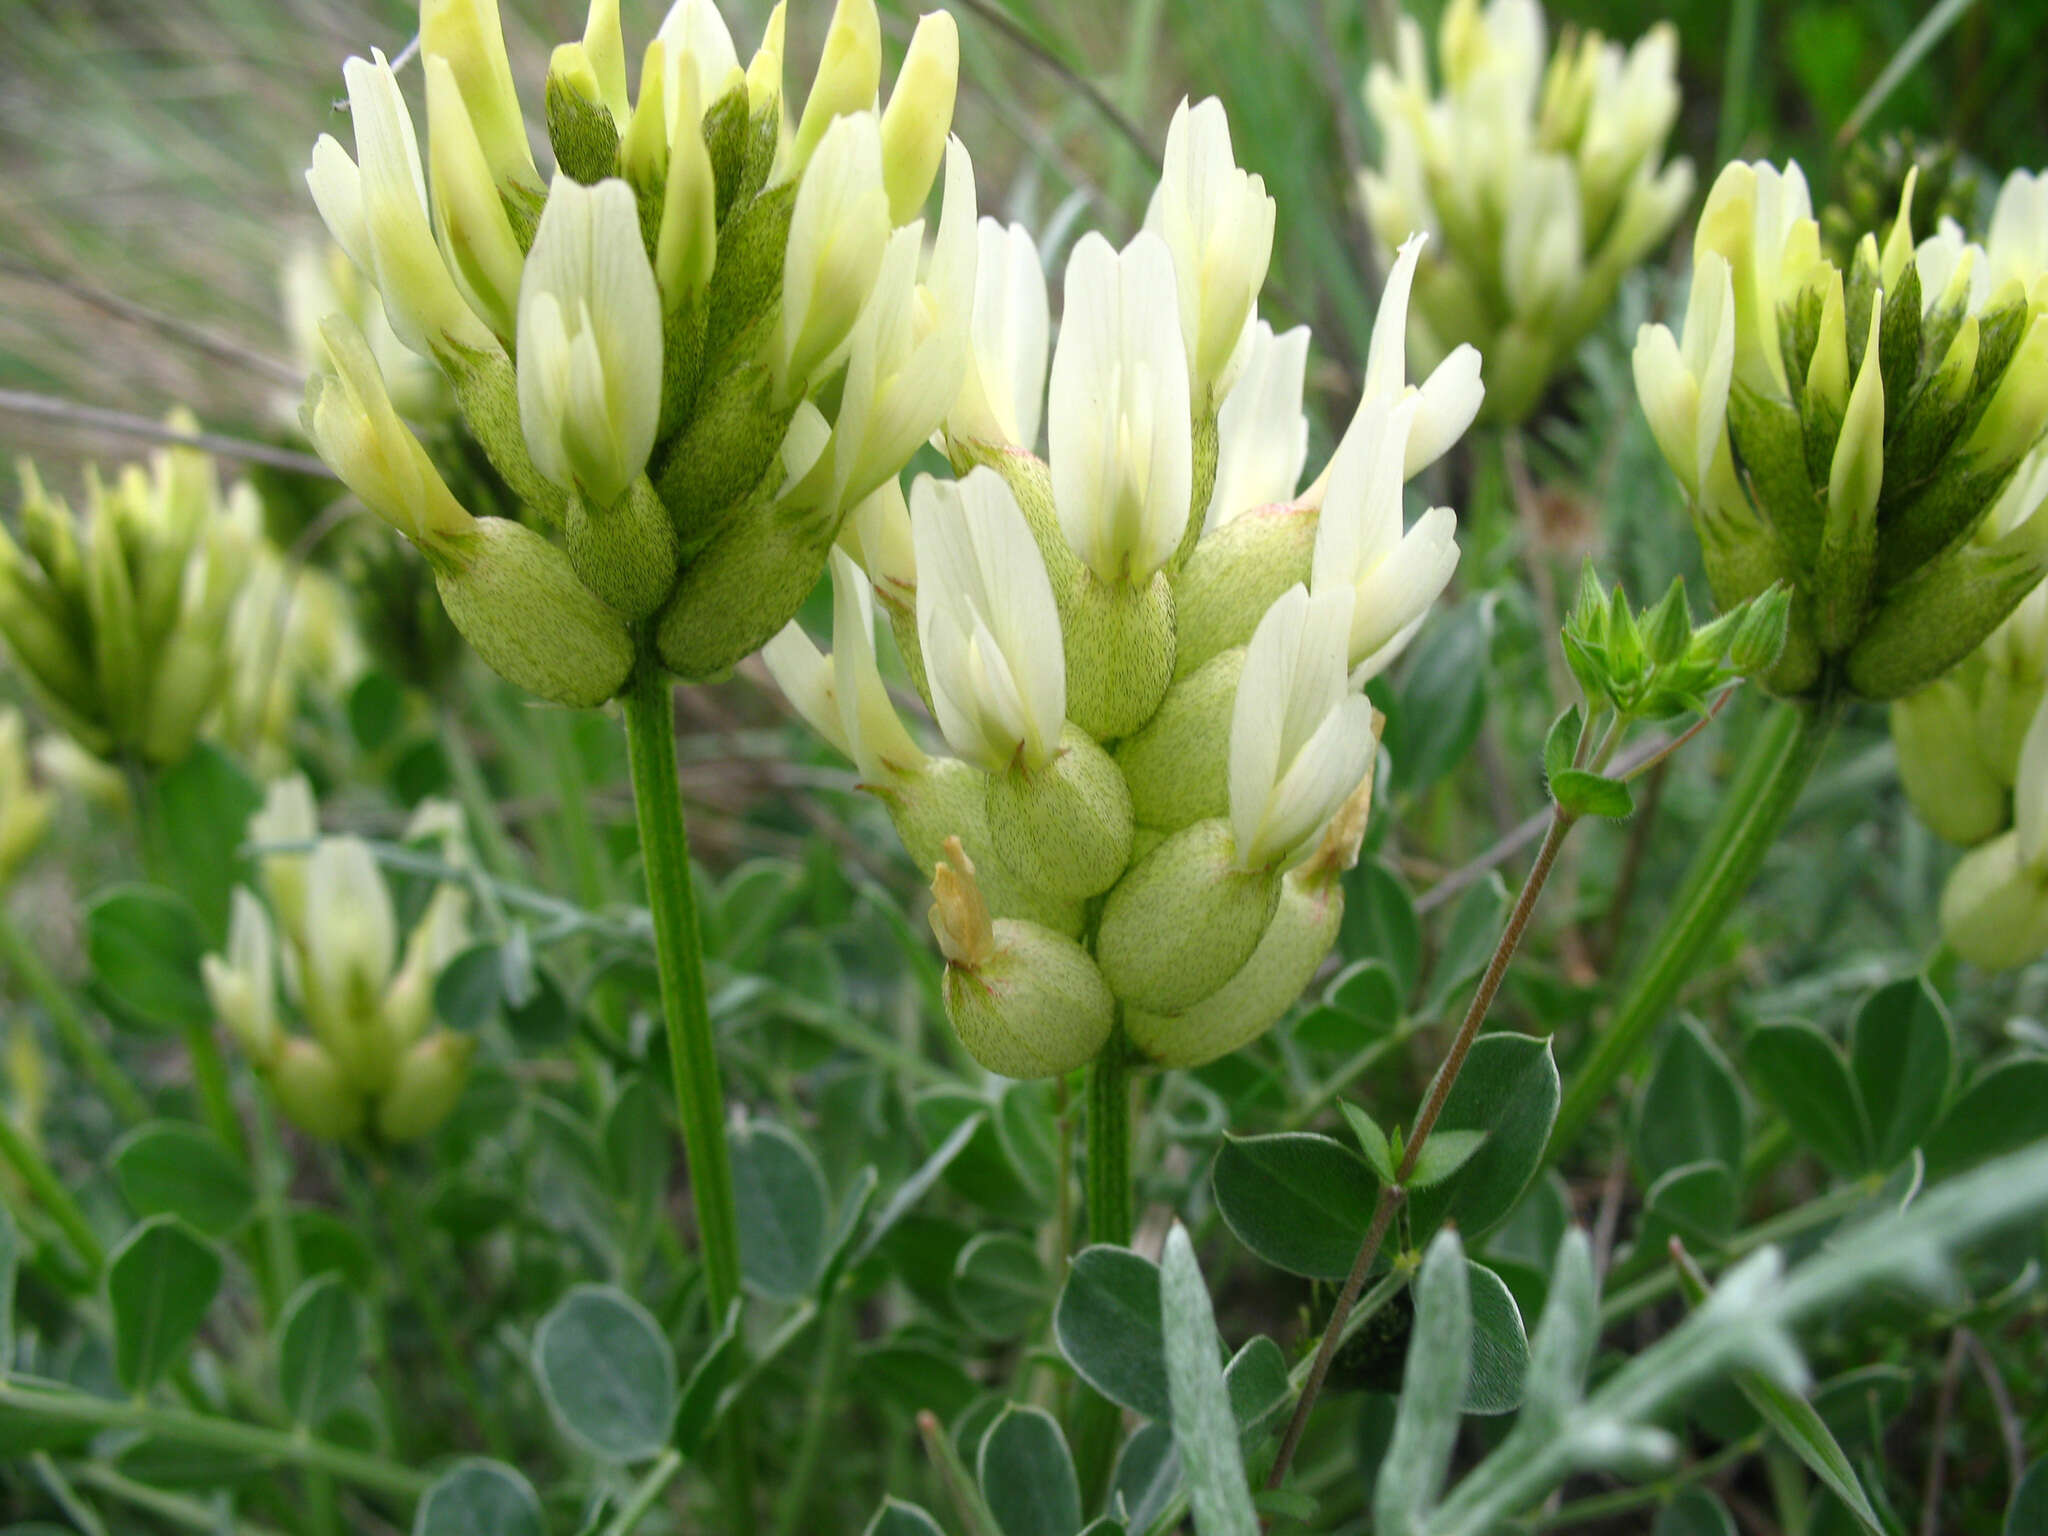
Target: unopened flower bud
[[1942, 767], [482, 252], [1004, 388], [1025, 1001], [848, 80], [242, 984], [837, 233], [581, 127], [1183, 921], [313, 1093], [1848, 548], [470, 36], [425, 1087], [1994, 908], [518, 601], [920, 114]]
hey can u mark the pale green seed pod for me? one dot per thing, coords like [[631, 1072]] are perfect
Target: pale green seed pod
[[626, 553], [516, 598], [1025, 1001], [1181, 924], [428, 1083], [1943, 768], [1065, 828], [948, 798], [312, 1092], [1234, 575], [1118, 641], [1292, 949], [1178, 766], [1994, 909]]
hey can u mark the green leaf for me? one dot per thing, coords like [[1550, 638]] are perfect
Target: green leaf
[[2028, 1512], [1029, 1137], [839, 1247], [1509, 1089], [784, 1210], [916, 1372], [919, 1184], [1696, 1201], [1500, 1347], [981, 1172], [1799, 1424], [2003, 1110], [1204, 1430], [470, 989], [319, 1348], [1027, 1475], [1561, 742], [145, 944], [544, 1019], [198, 814], [607, 1372], [1442, 696], [1000, 1285], [896, 1518], [698, 1408], [1368, 990], [1690, 1109], [1260, 1393], [1146, 1477], [10, 1260], [1108, 1326], [1372, 1141], [479, 1498], [1299, 1201], [635, 1137], [1432, 1390], [1903, 1053], [1694, 1512], [1799, 1073], [160, 1282], [1380, 923], [1468, 944], [170, 1168], [1443, 1155], [1592, 794]]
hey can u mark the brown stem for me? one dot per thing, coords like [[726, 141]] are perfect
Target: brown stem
[[1944, 1409], [1439, 1093]]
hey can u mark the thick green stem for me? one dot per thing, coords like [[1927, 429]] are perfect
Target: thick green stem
[[1780, 761], [679, 952], [63, 1405], [93, 1059], [1112, 1203]]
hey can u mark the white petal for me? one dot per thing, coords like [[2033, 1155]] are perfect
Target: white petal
[[876, 738], [805, 676], [1386, 360], [1262, 436], [1448, 401]]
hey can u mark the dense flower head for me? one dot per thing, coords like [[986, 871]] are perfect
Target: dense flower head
[[1144, 654], [690, 348], [371, 1064], [1849, 432], [124, 619], [1540, 184]]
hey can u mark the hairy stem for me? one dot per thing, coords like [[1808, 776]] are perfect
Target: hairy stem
[[1780, 761], [1432, 1107], [1112, 1204]]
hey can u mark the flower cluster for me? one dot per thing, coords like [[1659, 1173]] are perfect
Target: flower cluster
[[690, 353], [120, 620], [1145, 651], [1848, 432], [372, 1064], [1963, 759], [1541, 184]]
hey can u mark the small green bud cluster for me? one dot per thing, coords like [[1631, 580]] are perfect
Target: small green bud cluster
[[689, 354], [1147, 650], [1542, 183], [1872, 176], [1848, 432], [1655, 665], [371, 1064], [120, 620], [24, 809]]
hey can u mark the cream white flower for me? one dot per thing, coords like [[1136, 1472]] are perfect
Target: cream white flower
[[877, 535], [378, 211], [1761, 220], [1994, 908], [1121, 440], [242, 985], [808, 680], [987, 623], [1262, 436], [1684, 384], [589, 342], [288, 815], [695, 44], [909, 348], [915, 124], [2016, 246], [470, 36], [350, 941], [1003, 392], [837, 235], [1218, 222], [1360, 547], [1300, 740], [848, 79], [876, 740], [482, 253]]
